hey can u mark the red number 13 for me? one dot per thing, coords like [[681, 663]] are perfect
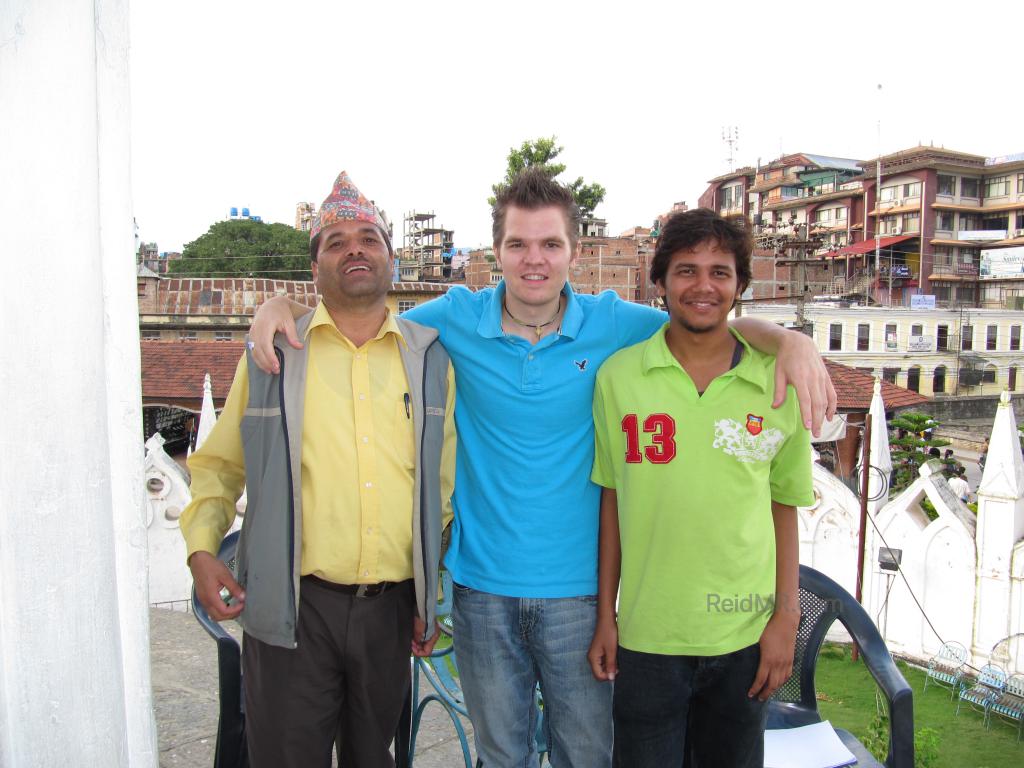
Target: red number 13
[[662, 429]]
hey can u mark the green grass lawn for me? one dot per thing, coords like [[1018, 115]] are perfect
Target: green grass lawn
[[846, 696]]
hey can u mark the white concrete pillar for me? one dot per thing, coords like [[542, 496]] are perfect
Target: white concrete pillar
[[74, 632], [1000, 526]]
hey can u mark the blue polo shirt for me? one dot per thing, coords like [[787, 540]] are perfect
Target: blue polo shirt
[[526, 512]]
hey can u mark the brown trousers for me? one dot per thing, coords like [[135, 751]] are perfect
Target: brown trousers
[[348, 678]]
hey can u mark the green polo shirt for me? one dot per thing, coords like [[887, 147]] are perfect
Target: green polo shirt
[[695, 476]]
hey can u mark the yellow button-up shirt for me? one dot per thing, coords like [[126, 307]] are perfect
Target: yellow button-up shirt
[[357, 460]]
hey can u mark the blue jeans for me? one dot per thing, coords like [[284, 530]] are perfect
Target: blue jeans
[[505, 646], [690, 711]]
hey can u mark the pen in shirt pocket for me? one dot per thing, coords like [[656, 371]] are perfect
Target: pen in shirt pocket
[[408, 412]]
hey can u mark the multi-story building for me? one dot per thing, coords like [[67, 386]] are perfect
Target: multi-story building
[[304, 214], [482, 269], [426, 248], [825, 226], [945, 208], [804, 208], [936, 352], [150, 257]]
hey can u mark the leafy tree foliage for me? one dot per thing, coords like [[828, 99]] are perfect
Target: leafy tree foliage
[[247, 248], [542, 152], [909, 447]]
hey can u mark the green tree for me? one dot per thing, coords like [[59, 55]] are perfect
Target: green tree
[[247, 248], [542, 152], [909, 446]]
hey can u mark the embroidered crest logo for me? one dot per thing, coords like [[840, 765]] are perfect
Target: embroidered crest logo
[[581, 364], [746, 444], [754, 424]]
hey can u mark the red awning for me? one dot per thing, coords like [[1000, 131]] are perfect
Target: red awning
[[867, 246]]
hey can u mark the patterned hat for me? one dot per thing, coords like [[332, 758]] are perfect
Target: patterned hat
[[346, 203]]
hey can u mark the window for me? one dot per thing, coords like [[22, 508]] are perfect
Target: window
[[917, 330], [912, 190], [1011, 378], [405, 306], [969, 187], [891, 337], [889, 194], [947, 185], [889, 225], [969, 222], [823, 216], [863, 337], [942, 338], [222, 336], [944, 220], [991, 337], [967, 337], [996, 221], [835, 337], [914, 379], [890, 374], [939, 379], [1014, 337], [151, 335], [988, 376], [1020, 183], [943, 255], [912, 222], [188, 336], [997, 187]]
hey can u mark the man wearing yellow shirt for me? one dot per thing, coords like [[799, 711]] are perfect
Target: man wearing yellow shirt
[[347, 457]]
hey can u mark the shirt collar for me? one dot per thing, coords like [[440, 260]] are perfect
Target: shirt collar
[[490, 319], [658, 355], [322, 317]]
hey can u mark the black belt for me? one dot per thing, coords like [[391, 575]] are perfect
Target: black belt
[[359, 590]]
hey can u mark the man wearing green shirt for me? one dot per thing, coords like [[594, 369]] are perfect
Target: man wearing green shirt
[[700, 478]]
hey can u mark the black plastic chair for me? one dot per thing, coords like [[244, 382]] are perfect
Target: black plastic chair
[[231, 750], [822, 602]]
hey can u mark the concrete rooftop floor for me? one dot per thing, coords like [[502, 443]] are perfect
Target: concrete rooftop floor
[[184, 677]]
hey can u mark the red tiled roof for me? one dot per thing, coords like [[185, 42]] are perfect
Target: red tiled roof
[[174, 369], [854, 389]]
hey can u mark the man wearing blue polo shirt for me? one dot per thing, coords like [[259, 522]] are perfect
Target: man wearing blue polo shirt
[[523, 551]]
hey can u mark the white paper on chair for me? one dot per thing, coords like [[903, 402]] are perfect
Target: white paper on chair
[[811, 746]]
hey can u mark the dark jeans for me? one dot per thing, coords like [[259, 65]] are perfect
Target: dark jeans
[[692, 711]]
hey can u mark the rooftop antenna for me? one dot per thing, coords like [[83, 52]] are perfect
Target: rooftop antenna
[[731, 136]]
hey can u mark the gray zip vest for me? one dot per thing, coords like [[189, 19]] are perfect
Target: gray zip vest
[[270, 545]]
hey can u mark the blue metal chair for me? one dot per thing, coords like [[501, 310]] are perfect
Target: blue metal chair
[[1010, 703], [988, 687], [231, 750], [822, 602], [440, 669], [947, 667]]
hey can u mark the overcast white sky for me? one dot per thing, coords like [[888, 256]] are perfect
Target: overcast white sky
[[260, 104]]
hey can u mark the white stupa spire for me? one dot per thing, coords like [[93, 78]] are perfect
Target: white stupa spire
[[1003, 477], [208, 414]]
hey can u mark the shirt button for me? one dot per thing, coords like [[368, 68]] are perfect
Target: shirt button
[[530, 357], [359, 356], [366, 573], [366, 439], [369, 485], [369, 530], [362, 396]]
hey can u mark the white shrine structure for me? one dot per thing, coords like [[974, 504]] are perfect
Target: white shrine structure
[[167, 495], [961, 575]]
